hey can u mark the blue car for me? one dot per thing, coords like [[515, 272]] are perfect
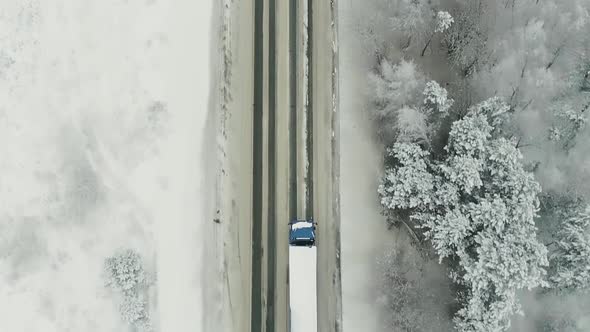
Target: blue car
[[302, 233]]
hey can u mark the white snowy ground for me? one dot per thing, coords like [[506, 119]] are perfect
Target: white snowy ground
[[302, 289], [102, 114], [364, 236]]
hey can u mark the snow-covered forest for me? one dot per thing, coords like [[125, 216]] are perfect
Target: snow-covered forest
[[480, 109]]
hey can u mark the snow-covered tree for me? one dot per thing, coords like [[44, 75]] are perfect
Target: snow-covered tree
[[412, 19], [556, 207], [386, 24], [571, 260], [134, 311], [569, 122], [436, 98], [572, 107], [409, 184], [405, 106], [124, 271], [442, 22], [372, 34], [412, 125], [394, 87], [477, 206], [497, 113], [466, 38], [436, 106]]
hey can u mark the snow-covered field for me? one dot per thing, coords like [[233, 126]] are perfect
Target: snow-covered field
[[102, 117]]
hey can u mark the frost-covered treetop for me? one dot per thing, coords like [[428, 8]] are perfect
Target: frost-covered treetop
[[572, 258], [410, 184], [406, 107], [469, 137], [412, 125], [493, 108], [396, 94], [477, 205], [125, 271], [436, 95], [395, 85], [413, 18], [443, 21], [496, 111]]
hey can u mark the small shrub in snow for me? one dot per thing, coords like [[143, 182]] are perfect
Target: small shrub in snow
[[125, 271], [134, 311]]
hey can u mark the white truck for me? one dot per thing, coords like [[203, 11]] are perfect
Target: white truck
[[302, 276]]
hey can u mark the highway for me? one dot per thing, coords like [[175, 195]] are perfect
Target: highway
[[278, 93]]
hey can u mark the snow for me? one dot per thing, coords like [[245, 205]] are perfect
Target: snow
[[180, 255], [360, 164], [302, 289], [301, 225], [101, 123]]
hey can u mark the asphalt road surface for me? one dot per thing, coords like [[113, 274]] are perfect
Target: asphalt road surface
[[280, 156]]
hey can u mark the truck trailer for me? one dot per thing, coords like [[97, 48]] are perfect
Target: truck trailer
[[302, 276]]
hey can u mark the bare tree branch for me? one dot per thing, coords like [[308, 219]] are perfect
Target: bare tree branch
[[555, 56]]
